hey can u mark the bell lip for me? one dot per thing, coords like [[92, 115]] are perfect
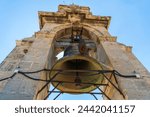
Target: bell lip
[[84, 57]]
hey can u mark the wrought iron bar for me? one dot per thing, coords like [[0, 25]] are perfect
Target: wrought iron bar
[[76, 92], [114, 86], [47, 83], [94, 96], [104, 93], [57, 96], [80, 83], [52, 91]]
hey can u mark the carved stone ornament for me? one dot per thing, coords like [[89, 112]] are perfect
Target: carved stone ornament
[[74, 18]]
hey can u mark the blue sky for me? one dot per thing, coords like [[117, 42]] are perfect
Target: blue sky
[[130, 21]]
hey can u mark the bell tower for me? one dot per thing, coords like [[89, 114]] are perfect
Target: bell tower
[[92, 59]]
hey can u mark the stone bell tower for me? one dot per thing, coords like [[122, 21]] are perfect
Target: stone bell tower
[[27, 72]]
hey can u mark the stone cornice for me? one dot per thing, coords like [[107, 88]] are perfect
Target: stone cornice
[[72, 14]]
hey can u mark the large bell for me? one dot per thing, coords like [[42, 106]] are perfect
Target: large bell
[[78, 70]]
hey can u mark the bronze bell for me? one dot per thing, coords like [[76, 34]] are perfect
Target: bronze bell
[[76, 66]]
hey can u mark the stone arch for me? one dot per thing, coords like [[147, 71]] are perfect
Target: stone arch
[[88, 30], [63, 30]]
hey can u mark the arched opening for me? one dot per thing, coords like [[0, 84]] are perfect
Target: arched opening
[[61, 41]]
